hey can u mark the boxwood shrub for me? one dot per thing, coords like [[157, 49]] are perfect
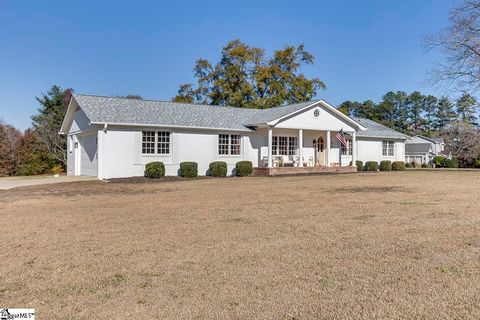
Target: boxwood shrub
[[243, 168], [359, 165], [385, 165], [398, 166], [155, 170], [218, 169], [371, 166], [188, 169], [408, 165]]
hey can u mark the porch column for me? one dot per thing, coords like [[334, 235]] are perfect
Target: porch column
[[300, 148], [328, 149], [270, 147], [354, 148]]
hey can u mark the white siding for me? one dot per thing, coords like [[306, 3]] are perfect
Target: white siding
[[123, 157], [370, 149]]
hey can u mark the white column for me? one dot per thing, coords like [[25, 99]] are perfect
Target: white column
[[300, 148], [354, 148], [269, 147], [328, 149]]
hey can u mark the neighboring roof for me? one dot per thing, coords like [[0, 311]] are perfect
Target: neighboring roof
[[434, 140], [412, 148], [377, 130]]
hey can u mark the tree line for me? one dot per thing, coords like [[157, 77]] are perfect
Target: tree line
[[39, 149], [415, 113]]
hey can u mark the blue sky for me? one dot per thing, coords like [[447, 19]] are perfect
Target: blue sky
[[362, 48]]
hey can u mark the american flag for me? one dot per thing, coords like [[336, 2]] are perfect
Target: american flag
[[341, 137]]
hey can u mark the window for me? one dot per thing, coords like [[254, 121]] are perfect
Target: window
[[229, 144], [388, 148], [148, 142], [235, 144], [163, 142], [284, 146], [292, 146], [274, 146], [155, 142], [348, 150]]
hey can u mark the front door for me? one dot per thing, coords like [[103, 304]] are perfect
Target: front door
[[320, 152]]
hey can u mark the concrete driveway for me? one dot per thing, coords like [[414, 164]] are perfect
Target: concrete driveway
[[13, 182]]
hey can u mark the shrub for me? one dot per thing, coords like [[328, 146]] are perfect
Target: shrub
[[398, 166], [56, 169], [243, 168], [188, 169], [424, 165], [408, 165], [359, 165], [371, 166], [385, 165], [476, 163], [155, 170], [438, 161], [450, 163], [218, 169]]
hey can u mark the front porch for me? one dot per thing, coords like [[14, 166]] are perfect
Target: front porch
[[306, 151], [278, 171]]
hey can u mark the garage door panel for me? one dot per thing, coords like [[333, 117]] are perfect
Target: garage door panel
[[89, 156]]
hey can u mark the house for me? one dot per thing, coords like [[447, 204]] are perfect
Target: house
[[422, 149], [111, 137]]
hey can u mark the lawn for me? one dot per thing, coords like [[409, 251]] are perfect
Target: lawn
[[354, 246]]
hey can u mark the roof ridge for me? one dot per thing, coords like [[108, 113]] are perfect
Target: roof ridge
[[193, 104]]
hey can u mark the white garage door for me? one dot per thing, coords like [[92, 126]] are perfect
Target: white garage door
[[88, 159]]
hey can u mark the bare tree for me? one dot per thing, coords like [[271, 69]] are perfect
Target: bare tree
[[460, 43], [463, 140]]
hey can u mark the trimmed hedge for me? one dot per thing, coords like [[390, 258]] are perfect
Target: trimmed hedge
[[398, 166], [371, 166], [243, 168], [155, 170], [359, 165], [218, 169], [385, 165], [408, 165], [188, 169]]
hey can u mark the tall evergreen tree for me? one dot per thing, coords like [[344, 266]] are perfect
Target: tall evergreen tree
[[48, 121], [445, 113], [466, 108], [430, 108], [416, 107]]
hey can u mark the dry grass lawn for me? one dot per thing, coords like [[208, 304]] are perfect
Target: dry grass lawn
[[361, 246]]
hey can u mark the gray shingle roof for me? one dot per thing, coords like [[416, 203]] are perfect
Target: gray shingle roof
[[113, 110], [411, 148], [375, 129]]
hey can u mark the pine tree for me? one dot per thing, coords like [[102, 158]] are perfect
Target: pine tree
[[445, 113], [466, 108]]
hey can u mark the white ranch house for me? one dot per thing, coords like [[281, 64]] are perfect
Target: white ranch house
[[111, 137]]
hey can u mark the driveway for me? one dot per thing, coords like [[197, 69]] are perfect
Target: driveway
[[13, 182]]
